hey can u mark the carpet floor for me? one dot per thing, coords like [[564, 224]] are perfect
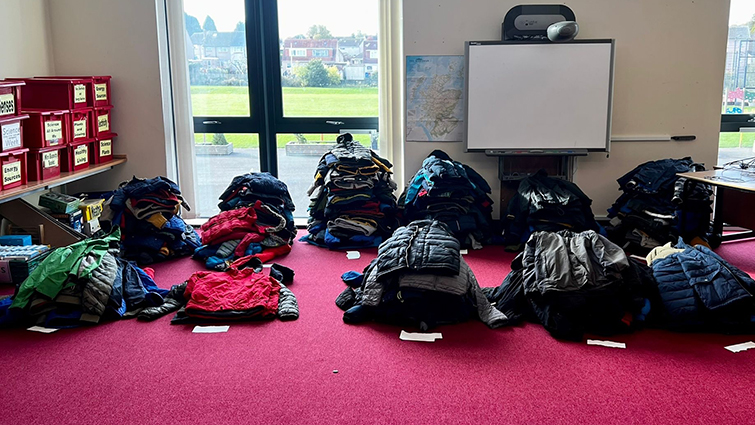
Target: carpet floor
[[276, 372]]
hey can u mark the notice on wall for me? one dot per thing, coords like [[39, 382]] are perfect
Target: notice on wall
[[80, 129], [5, 276], [11, 173], [50, 159], [79, 93], [11, 134], [53, 131], [100, 92], [103, 123], [80, 155], [106, 147], [7, 104]]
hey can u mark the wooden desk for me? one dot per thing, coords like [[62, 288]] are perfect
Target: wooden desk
[[23, 213], [734, 201]]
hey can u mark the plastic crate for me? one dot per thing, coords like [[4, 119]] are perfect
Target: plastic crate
[[46, 128], [56, 93], [103, 148], [12, 133], [100, 87], [80, 125], [102, 121], [13, 168], [44, 163], [78, 156], [10, 98]]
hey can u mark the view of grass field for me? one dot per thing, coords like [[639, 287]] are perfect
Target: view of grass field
[[736, 140], [212, 101]]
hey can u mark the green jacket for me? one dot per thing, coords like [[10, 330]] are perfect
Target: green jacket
[[52, 275]]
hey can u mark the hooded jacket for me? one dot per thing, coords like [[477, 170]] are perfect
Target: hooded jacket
[[422, 246]]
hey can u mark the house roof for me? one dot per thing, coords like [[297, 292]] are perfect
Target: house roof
[[370, 45], [310, 43], [350, 42]]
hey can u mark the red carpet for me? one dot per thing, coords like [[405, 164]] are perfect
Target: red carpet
[[274, 372]]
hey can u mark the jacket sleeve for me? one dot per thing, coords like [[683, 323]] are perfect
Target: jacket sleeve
[[288, 307], [487, 313]]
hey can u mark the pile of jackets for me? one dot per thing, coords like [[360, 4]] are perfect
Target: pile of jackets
[[256, 219], [658, 207], [418, 279], [549, 204], [147, 213], [453, 193], [352, 201], [700, 291], [81, 284], [574, 283]]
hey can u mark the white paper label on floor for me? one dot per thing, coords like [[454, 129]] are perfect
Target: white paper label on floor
[[267, 266], [353, 255], [419, 336], [610, 344], [740, 347], [210, 329], [464, 252], [41, 329]]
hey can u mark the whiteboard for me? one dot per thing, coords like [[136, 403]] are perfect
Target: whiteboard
[[539, 96]]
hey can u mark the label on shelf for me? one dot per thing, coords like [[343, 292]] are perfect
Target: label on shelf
[[106, 147], [79, 93], [80, 129], [50, 159], [7, 104], [11, 135], [80, 155], [11, 172], [53, 131], [103, 123], [100, 92]]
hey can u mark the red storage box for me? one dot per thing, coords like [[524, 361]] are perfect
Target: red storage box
[[46, 128], [10, 97], [102, 120], [44, 163], [56, 93], [11, 132], [100, 87], [78, 156], [13, 168], [80, 125], [103, 148]]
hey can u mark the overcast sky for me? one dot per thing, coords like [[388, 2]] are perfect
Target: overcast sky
[[341, 17], [741, 11]]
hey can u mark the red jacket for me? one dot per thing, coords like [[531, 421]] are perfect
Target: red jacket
[[228, 225]]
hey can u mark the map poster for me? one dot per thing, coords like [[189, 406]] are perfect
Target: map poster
[[434, 98]]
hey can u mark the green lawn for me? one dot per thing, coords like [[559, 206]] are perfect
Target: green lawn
[[209, 101], [732, 140]]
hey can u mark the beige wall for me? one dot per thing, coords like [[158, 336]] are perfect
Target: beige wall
[[24, 39], [670, 57], [117, 38]]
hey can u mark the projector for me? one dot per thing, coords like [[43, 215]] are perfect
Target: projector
[[562, 31], [531, 21]]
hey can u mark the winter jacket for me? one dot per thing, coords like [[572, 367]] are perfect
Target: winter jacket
[[256, 186], [655, 176], [98, 289], [700, 290], [422, 246]]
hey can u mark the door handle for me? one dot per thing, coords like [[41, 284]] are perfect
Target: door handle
[[211, 122]]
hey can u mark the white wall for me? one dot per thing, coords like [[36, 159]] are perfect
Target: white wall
[[670, 57], [117, 38], [24, 39]]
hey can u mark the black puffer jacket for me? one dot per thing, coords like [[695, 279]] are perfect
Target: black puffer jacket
[[424, 246]]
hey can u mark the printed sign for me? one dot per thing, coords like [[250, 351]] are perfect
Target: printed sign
[[79, 93], [80, 155], [53, 131], [103, 123], [7, 104], [106, 147], [11, 172], [5, 276], [11, 135], [100, 92], [50, 159], [80, 129]]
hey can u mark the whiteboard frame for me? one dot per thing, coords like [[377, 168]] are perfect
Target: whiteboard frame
[[505, 151]]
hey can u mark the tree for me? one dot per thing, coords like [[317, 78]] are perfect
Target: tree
[[334, 76], [219, 139], [313, 74], [240, 26], [318, 32], [209, 24], [192, 24]]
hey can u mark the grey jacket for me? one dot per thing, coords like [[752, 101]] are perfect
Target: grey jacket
[[97, 291], [423, 246], [463, 283], [569, 261]]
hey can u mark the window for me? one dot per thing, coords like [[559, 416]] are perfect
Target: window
[[276, 114], [373, 54], [738, 101]]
